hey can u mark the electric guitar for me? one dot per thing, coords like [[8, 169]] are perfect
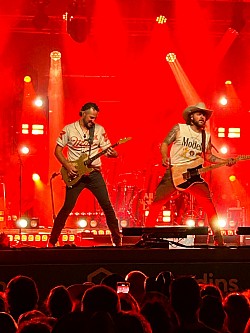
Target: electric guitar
[[185, 175], [83, 164]]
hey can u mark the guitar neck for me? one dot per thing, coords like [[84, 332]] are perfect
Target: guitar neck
[[90, 160], [211, 167], [214, 166]]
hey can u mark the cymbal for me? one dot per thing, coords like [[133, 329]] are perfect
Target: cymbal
[[133, 173]]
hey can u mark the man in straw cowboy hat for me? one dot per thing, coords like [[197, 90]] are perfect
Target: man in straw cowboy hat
[[190, 146]]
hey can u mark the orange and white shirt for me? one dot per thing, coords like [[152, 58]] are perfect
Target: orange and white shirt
[[77, 142]]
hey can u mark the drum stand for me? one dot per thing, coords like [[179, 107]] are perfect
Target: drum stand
[[191, 212], [180, 212], [125, 209]]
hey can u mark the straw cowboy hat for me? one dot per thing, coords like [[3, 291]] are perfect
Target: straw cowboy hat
[[199, 107]]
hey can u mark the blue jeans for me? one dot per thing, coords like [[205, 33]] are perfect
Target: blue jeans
[[96, 184], [199, 190]]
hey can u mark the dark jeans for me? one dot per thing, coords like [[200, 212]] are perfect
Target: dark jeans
[[199, 190], [96, 184]]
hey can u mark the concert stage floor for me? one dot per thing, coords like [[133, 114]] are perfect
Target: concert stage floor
[[229, 267]]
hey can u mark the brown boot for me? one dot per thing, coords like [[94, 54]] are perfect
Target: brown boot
[[116, 240], [218, 239]]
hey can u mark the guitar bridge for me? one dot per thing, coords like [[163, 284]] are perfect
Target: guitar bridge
[[186, 175]]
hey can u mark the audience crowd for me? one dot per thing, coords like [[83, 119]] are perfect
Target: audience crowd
[[160, 304]]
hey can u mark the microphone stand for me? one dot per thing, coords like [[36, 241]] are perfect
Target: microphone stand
[[20, 242], [55, 174]]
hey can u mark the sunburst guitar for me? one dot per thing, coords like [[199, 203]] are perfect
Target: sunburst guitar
[[187, 174], [83, 164]]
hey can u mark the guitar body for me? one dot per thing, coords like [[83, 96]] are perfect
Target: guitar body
[[81, 168], [82, 164], [185, 175]]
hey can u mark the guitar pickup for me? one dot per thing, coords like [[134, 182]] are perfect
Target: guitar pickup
[[88, 162]]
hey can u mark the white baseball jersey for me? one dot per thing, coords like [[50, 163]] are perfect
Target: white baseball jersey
[[77, 142]]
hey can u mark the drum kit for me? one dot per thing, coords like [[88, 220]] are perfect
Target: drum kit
[[132, 197], [129, 198]]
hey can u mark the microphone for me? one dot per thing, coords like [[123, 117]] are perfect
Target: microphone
[[55, 174]]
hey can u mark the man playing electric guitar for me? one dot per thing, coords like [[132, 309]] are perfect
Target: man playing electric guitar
[[84, 137], [190, 143]]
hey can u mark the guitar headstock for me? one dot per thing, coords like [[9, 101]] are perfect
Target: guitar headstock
[[124, 140], [243, 157]]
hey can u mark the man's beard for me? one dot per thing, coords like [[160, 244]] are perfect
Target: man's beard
[[197, 124], [88, 125]]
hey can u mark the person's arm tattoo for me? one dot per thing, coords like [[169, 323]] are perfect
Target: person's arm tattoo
[[171, 137], [210, 157]]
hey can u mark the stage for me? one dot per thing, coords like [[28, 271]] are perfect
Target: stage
[[228, 267]]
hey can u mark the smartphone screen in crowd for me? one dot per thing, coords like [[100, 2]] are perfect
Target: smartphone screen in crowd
[[122, 287]]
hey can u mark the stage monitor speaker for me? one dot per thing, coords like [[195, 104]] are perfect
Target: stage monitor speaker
[[165, 232], [243, 231]]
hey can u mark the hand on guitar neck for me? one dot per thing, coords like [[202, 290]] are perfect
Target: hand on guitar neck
[[231, 161]]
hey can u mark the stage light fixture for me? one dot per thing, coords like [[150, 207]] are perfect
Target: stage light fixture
[[222, 222], [38, 102], [224, 150], [234, 132], [34, 222], [166, 216], [35, 177], [232, 178], [190, 222], [22, 223], [93, 223], [221, 132], [201, 223], [27, 79], [31, 238], [37, 129], [171, 57], [55, 55], [25, 128], [232, 224], [228, 82], [124, 223], [82, 223], [223, 101], [161, 19], [24, 150]]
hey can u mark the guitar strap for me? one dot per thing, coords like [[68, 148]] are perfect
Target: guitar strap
[[91, 137], [203, 135]]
